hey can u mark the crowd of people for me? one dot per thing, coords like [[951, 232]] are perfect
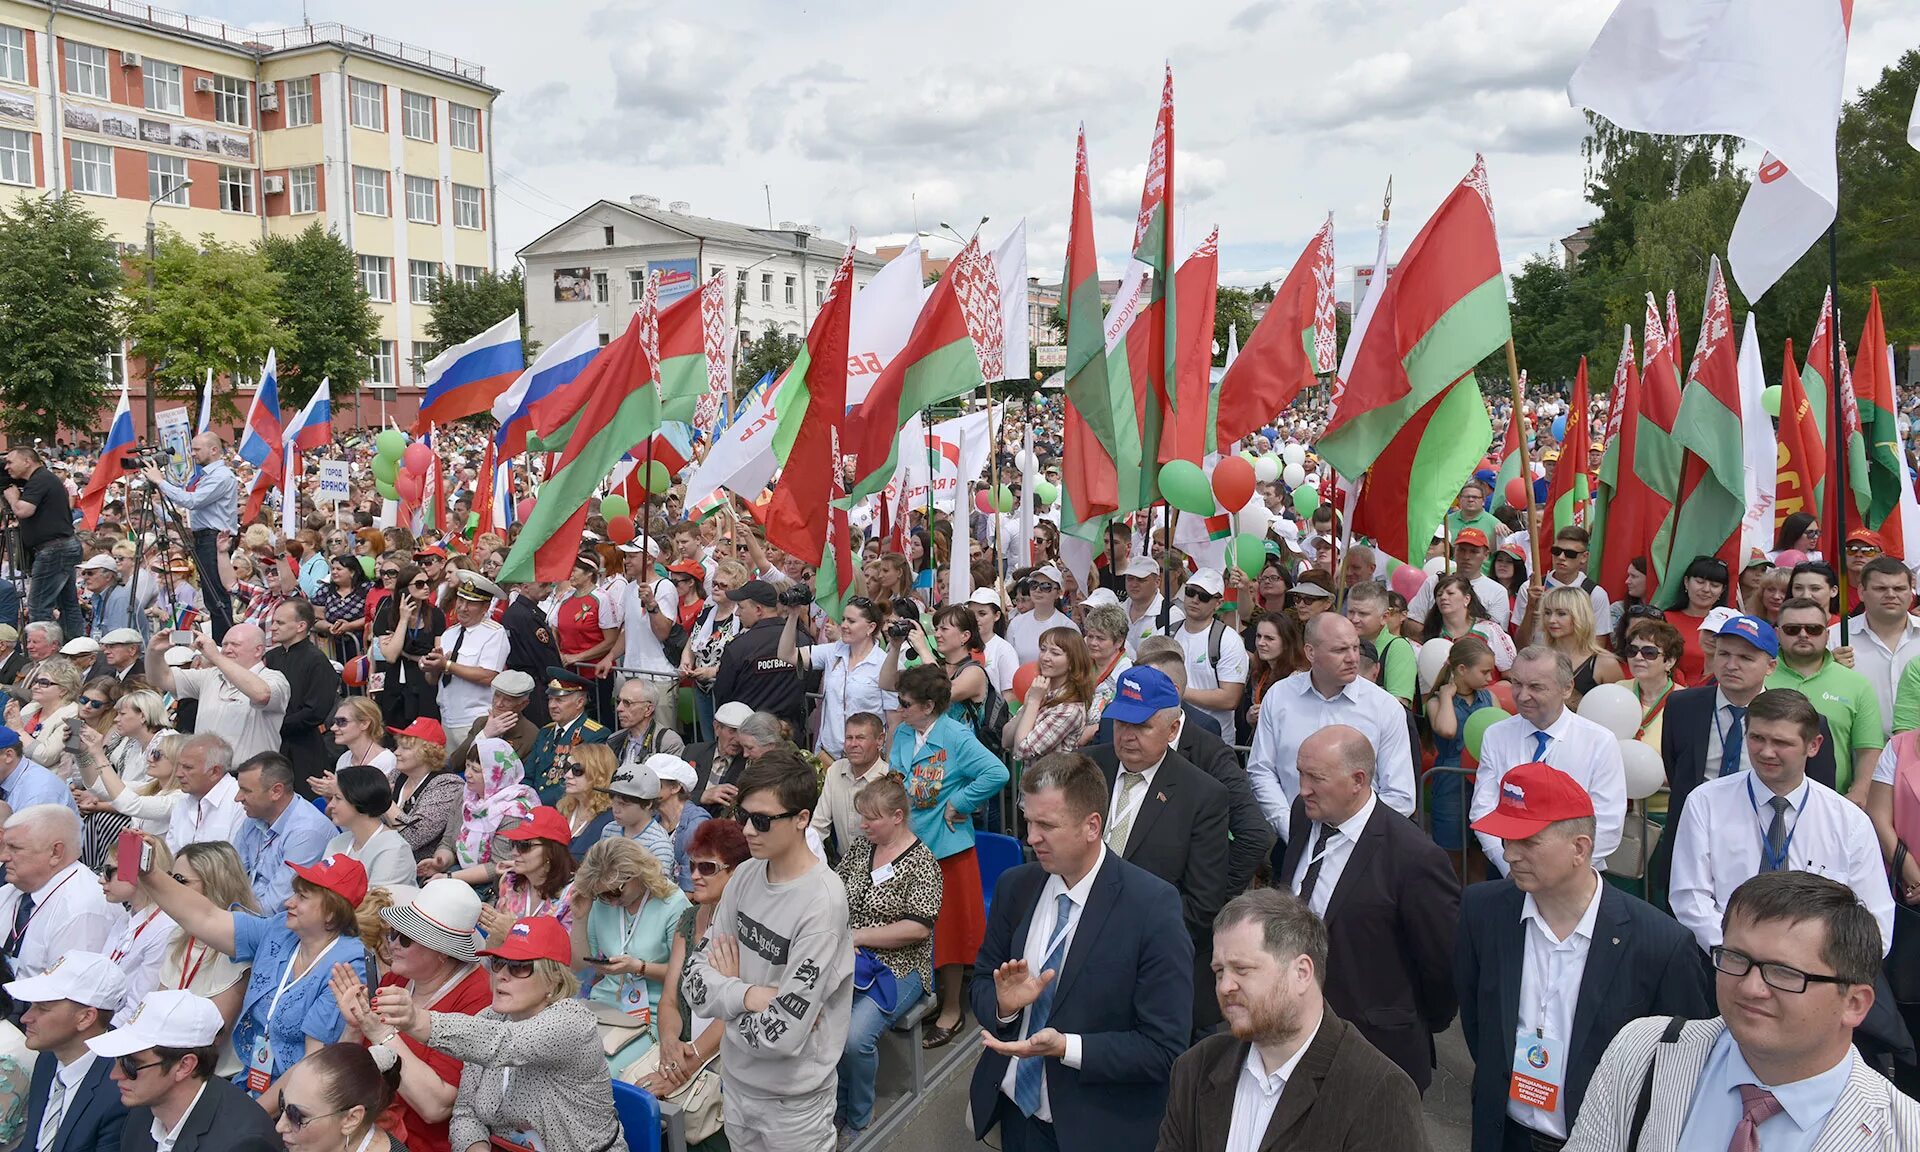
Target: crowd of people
[[334, 841]]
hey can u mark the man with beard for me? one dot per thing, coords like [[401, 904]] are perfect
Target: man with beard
[[1291, 1075]]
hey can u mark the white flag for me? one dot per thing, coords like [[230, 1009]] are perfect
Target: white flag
[[959, 447], [1913, 122], [1768, 71], [1760, 448], [742, 455], [882, 319], [1010, 269]]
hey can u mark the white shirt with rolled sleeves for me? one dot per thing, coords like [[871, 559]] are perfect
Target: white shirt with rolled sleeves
[[1293, 710], [1575, 745], [70, 914], [642, 648], [1493, 597], [212, 501], [1718, 847]]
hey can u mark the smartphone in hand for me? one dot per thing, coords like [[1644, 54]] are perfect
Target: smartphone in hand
[[133, 856]]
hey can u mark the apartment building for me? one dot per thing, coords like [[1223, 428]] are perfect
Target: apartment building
[[238, 133]]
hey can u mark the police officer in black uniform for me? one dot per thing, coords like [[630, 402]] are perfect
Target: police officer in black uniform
[[530, 646]]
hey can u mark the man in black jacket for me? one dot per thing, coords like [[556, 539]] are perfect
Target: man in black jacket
[[164, 1065], [70, 1105], [751, 670], [313, 687], [530, 646]]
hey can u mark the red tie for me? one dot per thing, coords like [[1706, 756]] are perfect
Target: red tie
[[1757, 1107]]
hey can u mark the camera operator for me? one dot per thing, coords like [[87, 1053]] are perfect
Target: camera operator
[[751, 670], [212, 501], [45, 515]]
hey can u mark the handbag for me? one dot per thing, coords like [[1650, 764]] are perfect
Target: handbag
[[1629, 861], [698, 1098], [1903, 959]]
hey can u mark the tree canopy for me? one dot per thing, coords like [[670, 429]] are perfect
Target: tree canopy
[[60, 278], [213, 307], [330, 327]]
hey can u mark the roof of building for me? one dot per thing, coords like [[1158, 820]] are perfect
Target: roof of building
[[785, 241]]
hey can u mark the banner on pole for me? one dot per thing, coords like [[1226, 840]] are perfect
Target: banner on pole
[[173, 429], [333, 487]]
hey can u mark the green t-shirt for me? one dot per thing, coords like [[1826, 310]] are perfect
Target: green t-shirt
[[1399, 665], [1487, 523], [1847, 700]]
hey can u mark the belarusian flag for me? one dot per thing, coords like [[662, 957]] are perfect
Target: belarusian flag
[[1191, 433], [696, 337], [1620, 526], [1674, 351], [1816, 379], [1100, 433], [1409, 409], [810, 481], [1803, 458], [1655, 458], [1567, 492], [1290, 349], [1713, 480], [622, 409], [1885, 472], [1509, 469]]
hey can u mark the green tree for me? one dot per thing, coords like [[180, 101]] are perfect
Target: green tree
[[59, 281], [1231, 306], [462, 309], [212, 306], [331, 329], [771, 351]]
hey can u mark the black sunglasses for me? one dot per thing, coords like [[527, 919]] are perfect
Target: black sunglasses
[[1802, 629], [763, 821], [1198, 594], [1644, 651], [338, 722], [131, 1069], [43, 682], [576, 770], [389, 574], [423, 583], [92, 702], [398, 939], [518, 969], [1569, 553], [299, 1117]]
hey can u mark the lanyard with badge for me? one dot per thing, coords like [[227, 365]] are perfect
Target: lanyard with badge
[[633, 988], [1768, 861], [1539, 1071], [260, 1061]]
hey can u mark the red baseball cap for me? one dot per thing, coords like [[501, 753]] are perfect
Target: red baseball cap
[[1472, 536], [534, 938], [1533, 796], [542, 823], [431, 550], [1867, 536], [423, 728], [689, 568], [338, 873]]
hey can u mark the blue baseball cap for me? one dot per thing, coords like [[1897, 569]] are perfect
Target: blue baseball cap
[[1754, 631], [1140, 693], [8, 738]]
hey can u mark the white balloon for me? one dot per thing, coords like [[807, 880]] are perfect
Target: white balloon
[[1266, 469], [1435, 565], [1431, 661], [1023, 460], [1645, 772], [1614, 708], [1255, 518], [1293, 475], [1294, 453]]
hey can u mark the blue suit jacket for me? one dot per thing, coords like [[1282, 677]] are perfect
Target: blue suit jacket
[[1641, 963], [1126, 990], [94, 1115]]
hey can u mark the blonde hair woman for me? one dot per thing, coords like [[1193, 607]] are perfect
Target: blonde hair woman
[[586, 803], [1566, 616], [625, 907], [149, 800], [214, 870], [55, 694]]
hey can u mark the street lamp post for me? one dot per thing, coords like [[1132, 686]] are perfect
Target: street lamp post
[[179, 186], [740, 301]]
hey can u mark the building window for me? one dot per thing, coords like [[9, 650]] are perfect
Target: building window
[[468, 273], [420, 277], [423, 200], [376, 277], [416, 116], [114, 366], [369, 191], [162, 84], [16, 157], [380, 364], [167, 179], [87, 70], [599, 287], [606, 233], [789, 287], [303, 188], [13, 54], [92, 168], [369, 104], [766, 287], [299, 101], [232, 101], [422, 352], [463, 127], [236, 189], [467, 211], [636, 283], [715, 272], [746, 338], [819, 294]]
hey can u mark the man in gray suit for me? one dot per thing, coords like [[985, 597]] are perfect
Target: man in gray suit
[[1794, 974]]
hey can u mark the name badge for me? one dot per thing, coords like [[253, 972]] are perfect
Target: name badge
[[633, 1000], [882, 874], [260, 1063], [1537, 1072]]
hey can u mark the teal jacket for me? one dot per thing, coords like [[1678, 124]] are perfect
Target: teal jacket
[[953, 767]]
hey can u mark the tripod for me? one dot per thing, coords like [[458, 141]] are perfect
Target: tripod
[[14, 556], [151, 514]]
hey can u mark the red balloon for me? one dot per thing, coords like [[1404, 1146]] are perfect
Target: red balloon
[[523, 511], [620, 529], [1233, 481], [1407, 580], [410, 486], [354, 673], [1516, 493], [1503, 696], [1023, 679], [417, 457], [982, 501]]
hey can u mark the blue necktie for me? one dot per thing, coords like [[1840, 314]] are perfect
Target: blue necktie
[[1540, 746], [1730, 743], [1027, 1076]]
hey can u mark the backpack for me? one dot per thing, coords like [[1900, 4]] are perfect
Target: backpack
[[987, 716], [1214, 631], [675, 643]]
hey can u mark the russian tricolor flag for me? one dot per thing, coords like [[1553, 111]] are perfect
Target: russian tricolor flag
[[313, 427], [468, 378], [556, 366], [260, 439], [112, 465]]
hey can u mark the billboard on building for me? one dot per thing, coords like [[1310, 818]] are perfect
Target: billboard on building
[[573, 285], [677, 278]]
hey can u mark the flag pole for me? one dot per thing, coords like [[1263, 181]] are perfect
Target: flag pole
[[926, 427], [646, 511], [1535, 530], [963, 512], [1838, 485]]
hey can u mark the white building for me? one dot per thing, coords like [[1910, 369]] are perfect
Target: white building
[[596, 264]]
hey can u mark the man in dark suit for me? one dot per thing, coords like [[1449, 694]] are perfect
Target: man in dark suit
[[1336, 1092], [1166, 815], [1083, 985], [1387, 893], [530, 646], [718, 762], [1554, 959], [313, 687], [1201, 745], [164, 1064], [70, 1105]]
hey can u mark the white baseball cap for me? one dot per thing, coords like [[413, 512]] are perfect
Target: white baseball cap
[[82, 977], [1717, 619], [986, 596], [1207, 580], [1140, 566], [1050, 572], [1101, 598], [733, 714], [178, 656], [80, 646], [167, 1018], [667, 766]]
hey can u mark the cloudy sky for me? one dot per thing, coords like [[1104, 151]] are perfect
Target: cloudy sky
[[890, 116]]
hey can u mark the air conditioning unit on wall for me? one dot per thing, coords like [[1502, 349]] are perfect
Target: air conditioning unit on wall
[[273, 185], [129, 59], [267, 87], [269, 102], [203, 84]]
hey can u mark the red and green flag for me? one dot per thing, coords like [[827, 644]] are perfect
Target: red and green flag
[[1884, 472], [622, 409], [1569, 490], [1290, 349], [1713, 497], [1101, 436], [1802, 475], [1656, 455], [1620, 527], [1509, 469], [1142, 334], [694, 331], [1817, 380], [1191, 433]]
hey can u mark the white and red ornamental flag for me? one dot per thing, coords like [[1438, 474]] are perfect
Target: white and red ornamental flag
[[1768, 71]]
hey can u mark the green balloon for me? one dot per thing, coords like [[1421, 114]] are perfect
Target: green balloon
[[366, 565], [473, 521], [1249, 554], [386, 469], [658, 478], [614, 506], [390, 443], [1003, 499], [1305, 499], [1186, 487], [1770, 400], [1047, 493], [1477, 724], [387, 490]]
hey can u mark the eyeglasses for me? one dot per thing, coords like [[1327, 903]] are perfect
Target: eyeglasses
[[131, 1070], [1043, 587], [1643, 651], [706, 869], [1862, 550], [1198, 594], [1781, 977], [92, 702], [420, 584], [518, 969], [43, 682], [299, 1117], [1569, 553], [339, 722], [389, 574], [1802, 629], [576, 770], [762, 821]]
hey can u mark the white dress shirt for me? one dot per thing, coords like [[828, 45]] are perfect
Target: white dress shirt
[[1881, 665], [1257, 1093], [165, 1138], [1724, 828], [1335, 855], [1493, 597], [484, 645], [1719, 726], [1293, 709], [1550, 974], [1034, 952], [1135, 797], [1575, 745], [139, 947], [1596, 597], [70, 914], [214, 817], [70, 1077]]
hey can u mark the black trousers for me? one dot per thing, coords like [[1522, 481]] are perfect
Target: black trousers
[[1022, 1133], [206, 553], [1520, 1138]]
